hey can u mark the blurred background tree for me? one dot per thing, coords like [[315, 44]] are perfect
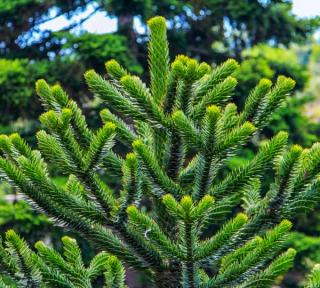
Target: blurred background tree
[[264, 35]]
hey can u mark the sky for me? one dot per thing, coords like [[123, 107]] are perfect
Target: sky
[[306, 8], [101, 23]]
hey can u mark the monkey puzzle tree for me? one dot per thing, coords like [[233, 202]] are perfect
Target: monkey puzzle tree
[[48, 268], [180, 216]]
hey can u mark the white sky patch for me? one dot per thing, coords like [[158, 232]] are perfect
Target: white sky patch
[[101, 23], [98, 23], [306, 8]]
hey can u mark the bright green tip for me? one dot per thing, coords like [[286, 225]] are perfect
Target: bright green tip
[[231, 107], [60, 96], [208, 198], [50, 119], [192, 63], [41, 83], [286, 223], [65, 238], [249, 126], [115, 69], [292, 251], [131, 159], [48, 114], [156, 22], [39, 244], [43, 89], [10, 233], [178, 67], [232, 63], [186, 202], [126, 79], [258, 239], [105, 115], [111, 64], [182, 58], [113, 260], [88, 75], [203, 68], [282, 134], [213, 109], [265, 83], [291, 82], [177, 114], [296, 148], [56, 89], [168, 198], [242, 217], [233, 81], [132, 209], [40, 133], [110, 126], [137, 143], [131, 156], [14, 136], [3, 136], [316, 267], [66, 111], [5, 142], [104, 111], [68, 239], [286, 82]]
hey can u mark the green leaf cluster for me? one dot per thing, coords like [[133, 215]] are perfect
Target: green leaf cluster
[[48, 268]]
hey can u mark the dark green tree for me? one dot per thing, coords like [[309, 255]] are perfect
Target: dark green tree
[[195, 24], [48, 268], [178, 216], [232, 26], [20, 18], [263, 61]]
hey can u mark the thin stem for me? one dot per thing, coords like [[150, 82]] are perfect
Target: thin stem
[[176, 156], [204, 177], [189, 270]]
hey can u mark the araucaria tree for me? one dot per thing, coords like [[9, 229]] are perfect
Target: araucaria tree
[[180, 216]]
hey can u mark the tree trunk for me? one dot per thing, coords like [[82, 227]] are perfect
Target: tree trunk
[[125, 27], [169, 278]]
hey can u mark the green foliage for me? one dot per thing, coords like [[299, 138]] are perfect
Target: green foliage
[[249, 23], [191, 31], [17, 76], [263, 61], [17, 213], [174, 214], [272, 62], [292, 118], [307, 250], [93, 49], [48, 268], [158, 58], [17, 79], [13, 81], [314, 278]]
